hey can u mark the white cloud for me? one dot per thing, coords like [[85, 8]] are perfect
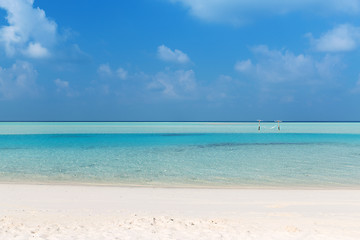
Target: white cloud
[[282, 76], [29, 31], [61, 84], [240, 11], [121, 73], [343, 37], [275, 66], [243, 66], [176, 84], [35, 50], [18, 81], [105, 71], [168, 55]]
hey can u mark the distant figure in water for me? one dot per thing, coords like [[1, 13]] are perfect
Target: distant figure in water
[[259, 125], [278, 121]]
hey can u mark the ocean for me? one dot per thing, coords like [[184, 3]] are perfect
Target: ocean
[[182, 154]]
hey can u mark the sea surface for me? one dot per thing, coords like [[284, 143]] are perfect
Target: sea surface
[[182, 154]]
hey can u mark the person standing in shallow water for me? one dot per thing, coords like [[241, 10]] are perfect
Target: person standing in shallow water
[[259, 125], [278, 121]]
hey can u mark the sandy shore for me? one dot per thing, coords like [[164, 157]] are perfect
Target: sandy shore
[[89, 212]]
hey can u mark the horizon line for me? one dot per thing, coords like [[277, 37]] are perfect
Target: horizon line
[[255, 121]]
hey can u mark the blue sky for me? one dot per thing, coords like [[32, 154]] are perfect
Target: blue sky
[[179, 60]]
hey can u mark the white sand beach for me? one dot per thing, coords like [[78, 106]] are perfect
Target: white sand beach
[[99, 212]]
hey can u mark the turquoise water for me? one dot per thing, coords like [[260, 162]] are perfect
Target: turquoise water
[[182, 154]]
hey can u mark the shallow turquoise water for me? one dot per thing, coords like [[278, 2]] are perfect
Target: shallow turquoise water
[[182, 154]]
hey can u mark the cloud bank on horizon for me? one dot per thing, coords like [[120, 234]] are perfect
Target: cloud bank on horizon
[[263, 53]]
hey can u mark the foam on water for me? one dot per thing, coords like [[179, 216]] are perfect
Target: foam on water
[[182, 154]]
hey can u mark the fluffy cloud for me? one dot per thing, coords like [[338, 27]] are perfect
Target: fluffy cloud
[[273, 66], [168, 55], [140, 86], [175, 84], [64, 87], [241, 11], [243, 66], [342, 38], [17, 81], [105, 71], [29, 31], [35, 50], [121, 73], [61, 84]]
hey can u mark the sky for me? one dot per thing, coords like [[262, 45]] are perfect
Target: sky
[[179, 60]]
